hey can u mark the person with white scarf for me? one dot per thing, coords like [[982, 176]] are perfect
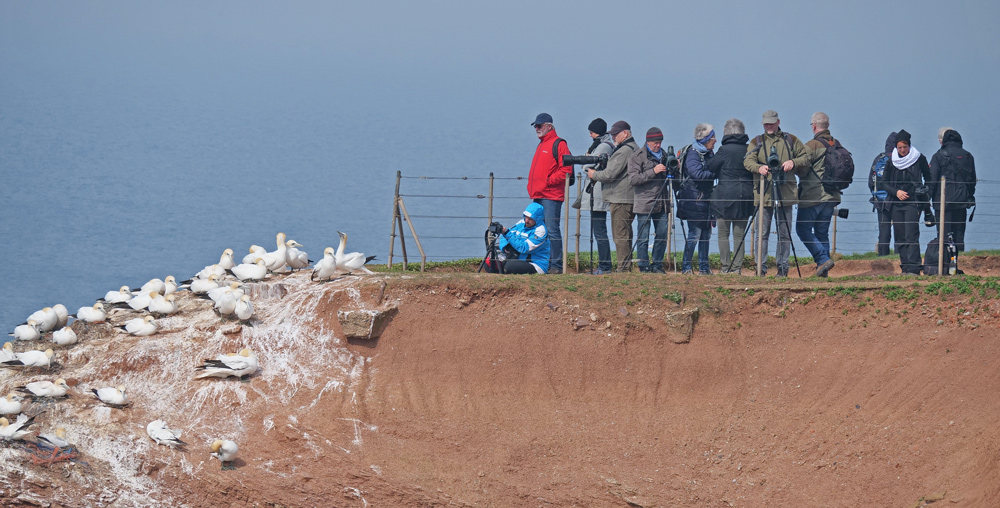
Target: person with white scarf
[[906, 170]]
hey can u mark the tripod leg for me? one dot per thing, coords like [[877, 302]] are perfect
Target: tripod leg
[[745, 231]]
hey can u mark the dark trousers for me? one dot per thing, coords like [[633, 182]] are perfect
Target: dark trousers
[[599, 228], [884, 231], [906, 228], [955, 218], [513, 266]]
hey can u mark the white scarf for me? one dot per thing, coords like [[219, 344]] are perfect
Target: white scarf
[[904, 162]]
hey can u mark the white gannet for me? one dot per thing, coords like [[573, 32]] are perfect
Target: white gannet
[[239, 365], [17, 430], [56, 440], [64, 336], [350, 261], [11, 404], [140, 327], [142, 300], [7, 353], [224, 450], [275, 260], [93, 314], [226, 261], [45, 319], [326, 268], [28, 331], [215, 294], [255, 271], [112, 396], [209, 270], [202, 286], [33, 358], [158, 431], [123, 295], [164, 305], [153, 285], [169, 285], [62, 313], [225, 304], [296, 259], [256, 251], [244, 308], [45, 388]]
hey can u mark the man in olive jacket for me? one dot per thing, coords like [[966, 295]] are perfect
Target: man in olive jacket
[[618, 192], [794, 157], [816, 203]]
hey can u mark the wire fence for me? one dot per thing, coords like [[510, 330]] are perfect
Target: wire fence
[[450, 215]]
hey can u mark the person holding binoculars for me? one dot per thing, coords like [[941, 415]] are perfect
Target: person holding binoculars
[[777, 155]]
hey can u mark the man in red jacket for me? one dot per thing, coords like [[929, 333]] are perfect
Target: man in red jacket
[[546, 183]]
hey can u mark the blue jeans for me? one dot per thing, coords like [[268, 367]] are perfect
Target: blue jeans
[[660, 225], [553, 209], [813, 228], [599, 227], [699, 236]]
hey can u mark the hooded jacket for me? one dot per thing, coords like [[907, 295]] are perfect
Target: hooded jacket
[[811, 191], [959, 169], [547, 178], [790, 150], [733, 197], [532, 244], [615, 186]]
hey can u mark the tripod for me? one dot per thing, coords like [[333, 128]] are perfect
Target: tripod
[[778, 205], [667, 209], [491, 254]]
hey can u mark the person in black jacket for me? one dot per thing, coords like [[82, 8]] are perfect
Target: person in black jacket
[[959, 169], [694, 196], [905, 171], [878, 201], [732, 199]]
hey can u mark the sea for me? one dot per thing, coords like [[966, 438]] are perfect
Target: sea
[[106, 184]]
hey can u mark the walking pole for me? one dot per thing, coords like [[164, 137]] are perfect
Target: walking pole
[[565, 251], [490, 206], [395, 213], [760, 228], [941, 232], [579, 213], [670, 229], [833, 246]]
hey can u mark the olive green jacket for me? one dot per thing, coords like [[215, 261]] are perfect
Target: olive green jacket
[[614, 178], [811, 191], [756, 158]]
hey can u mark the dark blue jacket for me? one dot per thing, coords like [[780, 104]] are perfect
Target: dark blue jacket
[[695, 194]]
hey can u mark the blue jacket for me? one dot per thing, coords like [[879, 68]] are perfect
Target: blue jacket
[[532, 243], [695, 194]]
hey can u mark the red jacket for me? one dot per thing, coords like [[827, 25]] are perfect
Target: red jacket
[[547, 178]]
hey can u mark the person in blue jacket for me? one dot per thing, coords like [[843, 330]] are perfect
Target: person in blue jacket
[[694, 197], [524, 247]]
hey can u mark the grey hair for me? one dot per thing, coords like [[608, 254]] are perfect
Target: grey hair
[[733, 126], [702, 130], [941, 132], [820, 119]]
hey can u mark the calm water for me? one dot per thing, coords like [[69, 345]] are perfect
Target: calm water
[[115, 185]]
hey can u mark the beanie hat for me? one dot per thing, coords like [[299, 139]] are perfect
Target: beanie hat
[[902, 135], [654, 134], [598, 126], [618, 127]]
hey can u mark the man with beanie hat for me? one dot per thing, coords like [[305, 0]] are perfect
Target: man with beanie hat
[[592, 198], [617, 192], [547, 180], [647, 171], [793, 157]]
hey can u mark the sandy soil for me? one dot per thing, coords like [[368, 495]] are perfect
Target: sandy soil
[[548, 391]]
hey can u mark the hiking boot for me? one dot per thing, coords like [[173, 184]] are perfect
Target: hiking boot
[[645, 269], [824, 269], [782, 272], [705, 272], [687, 271], [658, 269]]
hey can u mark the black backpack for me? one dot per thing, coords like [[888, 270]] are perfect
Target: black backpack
[[555, 155], [951, 255], [838, 167]]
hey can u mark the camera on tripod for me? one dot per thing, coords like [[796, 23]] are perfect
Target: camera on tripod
[[774, 167], [672, 163]]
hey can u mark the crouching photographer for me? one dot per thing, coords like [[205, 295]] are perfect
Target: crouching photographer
[[524, 248]]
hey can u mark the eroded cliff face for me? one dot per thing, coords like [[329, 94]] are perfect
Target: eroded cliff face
[[537, 391], [292, 420]]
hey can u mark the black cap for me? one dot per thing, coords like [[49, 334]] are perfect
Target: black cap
[[542, 118], [618, 127], [598, 126]]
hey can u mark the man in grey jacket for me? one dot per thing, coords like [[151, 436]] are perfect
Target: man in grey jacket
[[617, 192], [647, 171], [592, 198]]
